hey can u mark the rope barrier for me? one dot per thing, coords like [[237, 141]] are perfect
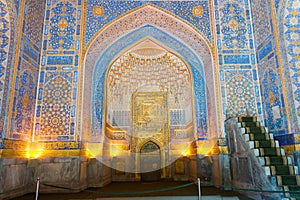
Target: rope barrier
[[250, 189], [203, 183], [177, 187], [133, 192]]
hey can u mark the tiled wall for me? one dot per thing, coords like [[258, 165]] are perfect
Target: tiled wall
[[236, 58], [58, 42], [57, 92], [288, 22], [27, 70], [10, 14], [268, 68]]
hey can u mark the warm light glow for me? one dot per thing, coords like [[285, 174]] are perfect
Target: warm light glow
[[204, 151], [93, 150], [206, 147], [89, 154], [34, 150], [117, 150], [114, 151], [34, 154], [186, 152]]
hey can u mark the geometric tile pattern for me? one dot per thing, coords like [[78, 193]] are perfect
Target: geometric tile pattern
[[286, 68], [239, 84], [34, 17], [27, 72], [269, 74], [5, 32], [55, 112], [98, 107], [269, 70], [240, 93], [200, 97], [59, 65], [233, 26], [62, 26], [261, 21], [291, 39], [9, 16], [101, 12], [22, 121], [272, 101], [238, 52]]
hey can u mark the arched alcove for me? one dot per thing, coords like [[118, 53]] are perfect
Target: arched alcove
[[161, 26], [148, 96], [150, 162]]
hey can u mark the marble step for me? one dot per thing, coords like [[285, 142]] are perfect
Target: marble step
[[292, 191], [263, 144], [270, 160], [260, 136], [268, 152], [255, 130], [281, 170], [247, 119], [260, 129], [248, 124], [286, 180]]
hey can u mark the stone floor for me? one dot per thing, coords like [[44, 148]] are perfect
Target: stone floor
[[153, 190]]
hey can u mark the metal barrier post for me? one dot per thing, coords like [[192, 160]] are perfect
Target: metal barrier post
[[199, 189], [37, 188]]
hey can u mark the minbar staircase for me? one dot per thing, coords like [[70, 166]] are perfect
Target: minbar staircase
[[277, 166]]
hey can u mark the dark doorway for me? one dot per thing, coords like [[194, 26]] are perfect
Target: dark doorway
[[150, 162]]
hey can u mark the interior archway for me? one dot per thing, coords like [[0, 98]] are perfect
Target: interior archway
[[192, 46], [144, 71], [149, 96]]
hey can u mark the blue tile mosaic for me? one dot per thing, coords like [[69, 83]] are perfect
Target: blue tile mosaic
[[264, 51], [234, 27], [236, 59], [31, 52], [110, 10], [60, 60], [4, 62], [62, 26], [241, 29]]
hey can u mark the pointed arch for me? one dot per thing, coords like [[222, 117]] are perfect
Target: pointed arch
[[155, 143], [125, 31]]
